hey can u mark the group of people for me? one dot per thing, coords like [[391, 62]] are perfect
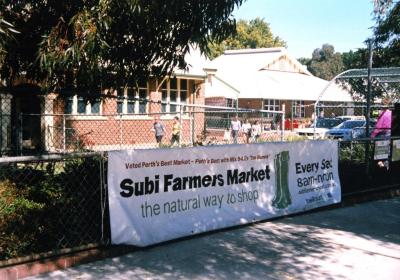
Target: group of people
[[159, 131], [251, 132]]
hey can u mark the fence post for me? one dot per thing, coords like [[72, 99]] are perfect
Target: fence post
[[180, 124], [64, 132], [283, 122], [20, 132], [192, 136], [368, 113], [120, 131]]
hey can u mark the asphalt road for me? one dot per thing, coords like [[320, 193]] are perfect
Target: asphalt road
[[357, 242]]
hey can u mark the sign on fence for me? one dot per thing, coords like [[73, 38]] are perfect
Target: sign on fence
[[163, 194], [382, 149]]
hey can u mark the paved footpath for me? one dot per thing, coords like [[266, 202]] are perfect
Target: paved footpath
[[357, 242]]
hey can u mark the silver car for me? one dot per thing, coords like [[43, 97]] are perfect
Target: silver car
[[350, 129]]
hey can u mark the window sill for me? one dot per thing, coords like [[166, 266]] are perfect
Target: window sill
[[86, 118], [172, 116], [133, 117]]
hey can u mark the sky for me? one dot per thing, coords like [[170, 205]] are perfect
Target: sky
[[308, 24]]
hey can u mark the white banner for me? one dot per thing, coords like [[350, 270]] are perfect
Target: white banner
[[163, 194]]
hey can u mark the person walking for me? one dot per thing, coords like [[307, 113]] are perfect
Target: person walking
[[176, 131], [256, 131], [159, 131], [246, 128], [235, 128]]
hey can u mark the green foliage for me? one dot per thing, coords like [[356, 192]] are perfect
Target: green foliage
[[387, 35], [64, 43], [325, 62], [353, 152], [43, 208], [251, 34]]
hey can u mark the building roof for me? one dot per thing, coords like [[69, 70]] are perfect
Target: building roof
[[268, 74], [196, 62]]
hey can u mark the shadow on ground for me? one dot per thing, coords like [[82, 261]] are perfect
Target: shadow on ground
[[332, 244]]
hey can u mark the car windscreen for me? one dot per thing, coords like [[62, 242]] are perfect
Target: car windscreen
[[328, 123]]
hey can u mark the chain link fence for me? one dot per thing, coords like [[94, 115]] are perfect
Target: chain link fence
[[79, 123], [51, 204], [345, 122], [365, 164]]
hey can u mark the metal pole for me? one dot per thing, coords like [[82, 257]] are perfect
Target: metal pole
[[192, 132], [283, 122], [120, 131], [368, 113], [1, 129], [180, 124], [64, 133], [21, 131]]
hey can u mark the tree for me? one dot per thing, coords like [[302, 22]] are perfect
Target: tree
[[252, 34], [381, 6], [387, 35], [325, 63], [82, 42], [6, 33]]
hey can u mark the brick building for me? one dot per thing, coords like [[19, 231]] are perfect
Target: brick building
[[105, 120]]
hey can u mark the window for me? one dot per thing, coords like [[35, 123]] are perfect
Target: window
[[271, 105], [298, 109], [69, 105], [142, 94], [132, 100], [184, 93], [94, 107], [164, 97], [173, 94], [230, 103], [120, 100], [176, 91], [82, 106]]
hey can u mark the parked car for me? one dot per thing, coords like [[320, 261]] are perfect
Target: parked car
[[350, 129], [349, 117], [322, 126]]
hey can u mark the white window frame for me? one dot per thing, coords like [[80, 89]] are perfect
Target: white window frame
[[88, 107], [136, 102], [179, 90], [271, 105], [298, 105]]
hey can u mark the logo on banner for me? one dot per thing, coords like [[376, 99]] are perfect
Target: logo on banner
[[282, 198]]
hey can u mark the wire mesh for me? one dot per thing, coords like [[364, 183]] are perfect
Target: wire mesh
[[48, 205], [53, 202], [75, 124]]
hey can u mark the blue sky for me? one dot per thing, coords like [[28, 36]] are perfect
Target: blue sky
[[308, 24]]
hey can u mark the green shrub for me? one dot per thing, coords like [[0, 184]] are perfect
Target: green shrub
[[43, 208]]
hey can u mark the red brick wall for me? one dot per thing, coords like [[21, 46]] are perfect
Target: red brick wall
[[109, 130], [216, 101], [251, 103]]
